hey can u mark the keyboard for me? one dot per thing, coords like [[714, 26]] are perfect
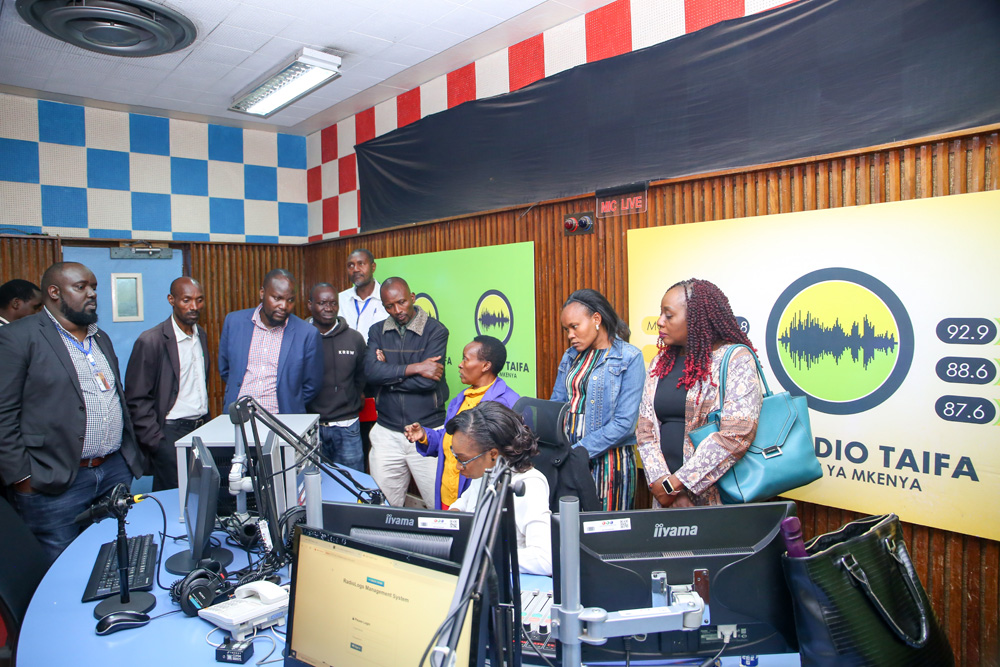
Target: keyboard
[[104, 579]]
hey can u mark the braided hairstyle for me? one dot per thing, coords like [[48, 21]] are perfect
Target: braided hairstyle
[[492, 425], [709, 319]]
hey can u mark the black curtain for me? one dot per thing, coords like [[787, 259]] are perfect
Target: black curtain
[[813, 77]]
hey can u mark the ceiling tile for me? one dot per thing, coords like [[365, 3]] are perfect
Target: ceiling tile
[[402, 54], [465, 21], [237, 38], [434, 39]]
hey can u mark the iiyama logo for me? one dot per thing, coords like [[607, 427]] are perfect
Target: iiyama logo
[[659, 530], [398, 521]]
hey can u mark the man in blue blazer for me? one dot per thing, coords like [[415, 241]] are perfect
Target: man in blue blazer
[[270, 354]]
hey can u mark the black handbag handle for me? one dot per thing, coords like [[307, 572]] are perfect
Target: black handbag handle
[[860, 579]]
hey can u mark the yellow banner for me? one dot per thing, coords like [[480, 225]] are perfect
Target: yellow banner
[[886, 317]]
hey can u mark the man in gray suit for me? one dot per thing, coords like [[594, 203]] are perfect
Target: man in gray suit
[[66, 438]]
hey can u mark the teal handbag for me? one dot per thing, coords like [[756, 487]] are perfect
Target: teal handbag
[[782, 456]]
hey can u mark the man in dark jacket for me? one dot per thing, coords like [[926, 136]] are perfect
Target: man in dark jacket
[[404, 365], [166, 382], [65, 434], [340, 396]]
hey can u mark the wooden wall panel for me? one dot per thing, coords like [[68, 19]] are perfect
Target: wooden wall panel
[[27, 257], [959, 571], [231, 275]]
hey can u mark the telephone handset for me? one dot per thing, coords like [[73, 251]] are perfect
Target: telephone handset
[[265, 591]]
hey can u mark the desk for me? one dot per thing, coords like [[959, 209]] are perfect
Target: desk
[[59, 630]]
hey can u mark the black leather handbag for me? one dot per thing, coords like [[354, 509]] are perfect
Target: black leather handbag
[[858, 601]]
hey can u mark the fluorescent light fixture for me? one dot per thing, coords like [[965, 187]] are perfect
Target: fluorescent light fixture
[[309, 70]]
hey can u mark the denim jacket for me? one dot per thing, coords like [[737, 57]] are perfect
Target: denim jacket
[[613, 394]]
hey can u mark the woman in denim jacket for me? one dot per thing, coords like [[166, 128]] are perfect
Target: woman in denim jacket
[[601, 376]]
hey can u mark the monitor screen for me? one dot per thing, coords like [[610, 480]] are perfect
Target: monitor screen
[[740, 546], [438, 533], [355, 604], [201, 498]]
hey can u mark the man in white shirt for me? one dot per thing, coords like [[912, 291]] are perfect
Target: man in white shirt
[[166, 383], [361, 305]]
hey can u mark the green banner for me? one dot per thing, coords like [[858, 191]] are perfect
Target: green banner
[[478, 291]]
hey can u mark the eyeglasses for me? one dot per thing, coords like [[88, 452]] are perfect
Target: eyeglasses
[[464, 464]]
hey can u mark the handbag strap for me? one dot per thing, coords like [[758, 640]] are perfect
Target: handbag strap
[[725, 367], [859, 578]]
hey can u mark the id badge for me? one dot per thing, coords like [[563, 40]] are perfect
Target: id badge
[[102, 382]]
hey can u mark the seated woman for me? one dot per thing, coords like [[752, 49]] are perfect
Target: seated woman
[[482, 360], [601, 376], [482, 435], [696, 327]]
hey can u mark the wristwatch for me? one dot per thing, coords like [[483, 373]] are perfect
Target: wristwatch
[[668, 487]]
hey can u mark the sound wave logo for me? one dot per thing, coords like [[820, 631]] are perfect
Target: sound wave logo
[[842, 338], [425, 301], [494, 316], [807, 341]]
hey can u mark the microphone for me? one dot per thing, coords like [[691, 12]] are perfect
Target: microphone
[[116, 504], [517, 488]]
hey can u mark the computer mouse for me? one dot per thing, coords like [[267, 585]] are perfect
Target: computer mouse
[[121, 620]]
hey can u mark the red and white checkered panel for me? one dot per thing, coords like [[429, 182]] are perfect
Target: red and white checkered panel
[[616, 28]]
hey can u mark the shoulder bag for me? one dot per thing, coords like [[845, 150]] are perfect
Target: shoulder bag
[[859, 603], [782, 456]]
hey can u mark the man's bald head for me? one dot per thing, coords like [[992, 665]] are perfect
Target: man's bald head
[[179, 285], [397, 299], [70, 292], [187, 299]]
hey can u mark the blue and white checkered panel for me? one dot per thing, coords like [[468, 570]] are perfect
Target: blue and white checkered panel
[[85, 172]]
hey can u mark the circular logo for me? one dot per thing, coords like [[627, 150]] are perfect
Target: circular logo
[[494, 316], [425, 301], [842, 338]]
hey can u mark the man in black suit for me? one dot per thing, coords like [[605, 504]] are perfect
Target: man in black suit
[[66, 438], [166, 383]]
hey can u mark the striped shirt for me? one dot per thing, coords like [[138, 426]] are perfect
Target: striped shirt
[[103, 435], [576, 389], [261, 379]]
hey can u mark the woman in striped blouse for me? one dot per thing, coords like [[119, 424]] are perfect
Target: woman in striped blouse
[[601, 377]]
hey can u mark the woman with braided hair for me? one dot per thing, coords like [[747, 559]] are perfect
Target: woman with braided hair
[[696, 328], [600, 376]]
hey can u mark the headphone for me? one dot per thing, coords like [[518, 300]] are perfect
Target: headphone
[[201, 588]]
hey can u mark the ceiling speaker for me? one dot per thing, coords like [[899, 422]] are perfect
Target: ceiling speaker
[[114, 27]]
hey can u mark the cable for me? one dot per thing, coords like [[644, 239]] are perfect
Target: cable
[[437, 633], [166, 613], [727, 632], [210, 633], [274, 646], [534, 648], [163, 539]]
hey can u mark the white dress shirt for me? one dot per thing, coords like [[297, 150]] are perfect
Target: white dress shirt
[[360, 313], [192, 388]]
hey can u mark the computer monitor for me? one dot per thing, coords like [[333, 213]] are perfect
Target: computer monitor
[[740, 546], [356, 604], [201, 498], [437, 533]]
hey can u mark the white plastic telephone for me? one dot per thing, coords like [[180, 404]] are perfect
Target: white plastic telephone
[[259, 604]]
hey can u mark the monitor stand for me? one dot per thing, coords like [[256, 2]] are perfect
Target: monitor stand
[[183, 563]]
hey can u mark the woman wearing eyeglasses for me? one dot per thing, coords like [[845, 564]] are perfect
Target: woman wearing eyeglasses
[[479, 438]]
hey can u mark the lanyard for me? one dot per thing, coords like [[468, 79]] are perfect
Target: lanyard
[[102, 382], [360, 311]]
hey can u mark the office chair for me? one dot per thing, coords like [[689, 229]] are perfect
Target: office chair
[[22, 566], [566, 468]]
